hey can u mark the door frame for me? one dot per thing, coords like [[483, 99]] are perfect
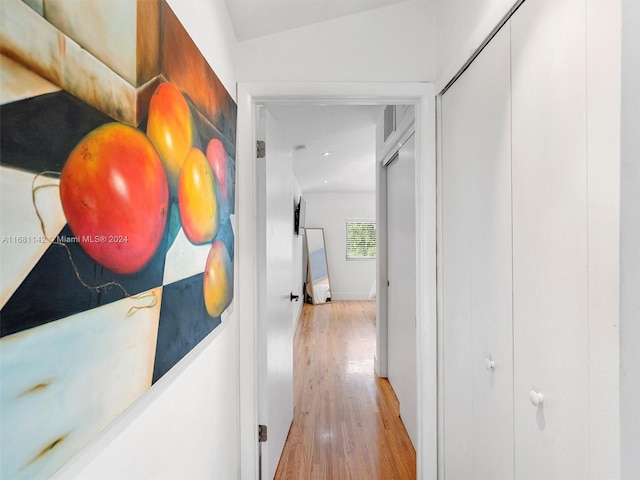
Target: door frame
[[422, 96]]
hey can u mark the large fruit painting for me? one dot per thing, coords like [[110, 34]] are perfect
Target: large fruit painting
[[117, 198]]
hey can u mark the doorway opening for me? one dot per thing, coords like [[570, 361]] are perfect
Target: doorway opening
[[419, 95]]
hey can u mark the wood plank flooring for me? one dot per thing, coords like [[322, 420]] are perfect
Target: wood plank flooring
[[346, 422]]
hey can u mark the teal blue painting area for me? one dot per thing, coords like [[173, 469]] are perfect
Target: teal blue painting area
[[184, 322], [37, 134]]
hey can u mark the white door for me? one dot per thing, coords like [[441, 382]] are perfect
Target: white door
[[401, 258], [275, 335], [550, 287], [477, 309]]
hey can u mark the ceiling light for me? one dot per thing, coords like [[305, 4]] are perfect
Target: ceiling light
[[326, 154], [325, 181]]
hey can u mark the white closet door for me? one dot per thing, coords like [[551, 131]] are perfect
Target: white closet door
[[478, 356], [401, 259], [550, 239], [456, 284]]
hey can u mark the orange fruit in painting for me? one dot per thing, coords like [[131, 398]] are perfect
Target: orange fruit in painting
[[197, 200], [172, 129], [115, 197], [218, 280]]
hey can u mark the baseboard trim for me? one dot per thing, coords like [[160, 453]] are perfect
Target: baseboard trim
[[350, 296]]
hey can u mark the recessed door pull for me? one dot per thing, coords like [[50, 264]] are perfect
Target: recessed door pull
[[536, 398], [489, 364]]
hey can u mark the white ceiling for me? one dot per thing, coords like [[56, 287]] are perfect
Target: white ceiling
[[257, 18], [348, 132]]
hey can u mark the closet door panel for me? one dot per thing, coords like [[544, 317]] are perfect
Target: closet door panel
[[401, 271], [476, 222], [491, 278], [456, 259], [550, 239], [603, 153]]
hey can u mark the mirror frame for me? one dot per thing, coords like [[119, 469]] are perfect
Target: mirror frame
[[309, 281]]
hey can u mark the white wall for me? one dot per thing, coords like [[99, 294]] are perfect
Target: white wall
[[461, 27], [350, 279], [394, 43], [187, 424], [630, 242]]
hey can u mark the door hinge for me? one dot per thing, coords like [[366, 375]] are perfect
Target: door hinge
[[261, 148], [262, 433]]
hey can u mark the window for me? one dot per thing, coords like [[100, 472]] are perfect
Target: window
[[361, 239]]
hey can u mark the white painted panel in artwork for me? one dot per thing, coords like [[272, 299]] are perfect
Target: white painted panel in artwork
[[184, 259], [64, 381], [18, 82], [22, 236], [89, 23], [38, 45]]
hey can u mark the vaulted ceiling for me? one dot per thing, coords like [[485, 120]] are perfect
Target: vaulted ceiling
[[257, 18]]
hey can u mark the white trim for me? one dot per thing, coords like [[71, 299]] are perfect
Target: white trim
[[422, 96], [380, 360], [440, 290], [426, 313], [400, 136], [247, 284]]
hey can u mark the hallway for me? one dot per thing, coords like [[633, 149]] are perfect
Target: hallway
[[346, 420]]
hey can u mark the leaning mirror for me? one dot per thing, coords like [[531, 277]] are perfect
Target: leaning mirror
[[318, 283]]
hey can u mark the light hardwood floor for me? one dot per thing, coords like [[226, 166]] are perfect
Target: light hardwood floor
[[346, 422]]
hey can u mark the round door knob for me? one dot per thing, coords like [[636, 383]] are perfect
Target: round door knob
[[489, 364], [536, 398]]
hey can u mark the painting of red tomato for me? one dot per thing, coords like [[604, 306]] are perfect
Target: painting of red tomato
[[115, 197]]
